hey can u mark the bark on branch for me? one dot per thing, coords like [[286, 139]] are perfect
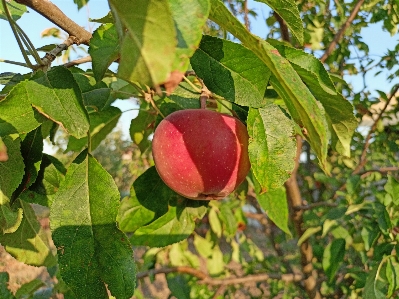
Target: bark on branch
[[306, 250], [341, 31], [205, 279], [55, 15]]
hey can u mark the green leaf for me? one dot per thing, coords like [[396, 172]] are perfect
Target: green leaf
[[57, 95], [141, 128], [383, 219], [29, 288], [288, 11], [9, 220], [92, 251], [104, 49], [189, 17], [132, 214], [229, 221], [274, 202], [185, 96], [148, 45], [101, 124], [178, 285], [50, 175], [391, 272], [214, 222], [333, 257], [392, 187], [369, 234], [29, 243], [231, 71], [32, 151], [203, 246], [300, 102], [5, 293], [12, 170], [108, 18], [166, 230], [80, 3], [373, 289], [272, 147], [338, 109], [96, 95], [308, 233], [6, 77], [16, 11], [16, 113], [215, 263], [174, 216]]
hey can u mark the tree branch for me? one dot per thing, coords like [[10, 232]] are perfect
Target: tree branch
[[78, 61], [315, 205], [341, 31], [283, 27], [55, 15], [205, 279], [246, 19], [306, 250], [181, 269]]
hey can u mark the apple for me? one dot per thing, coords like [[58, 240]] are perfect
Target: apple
[[201, 154]]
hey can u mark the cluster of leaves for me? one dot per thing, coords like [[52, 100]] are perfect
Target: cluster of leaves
[[275, 89]]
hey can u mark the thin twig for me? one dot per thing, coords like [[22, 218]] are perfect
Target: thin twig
[[315, 205], [28, 43], [283, 27], [149, 99], [341, 31], [246, 19], [181, 269], [221, 289], [16, 35], [78, 61], [252, 279], [51, 12], [205, 279], [14, 62]]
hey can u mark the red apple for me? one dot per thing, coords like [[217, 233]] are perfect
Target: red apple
[[201, 154]]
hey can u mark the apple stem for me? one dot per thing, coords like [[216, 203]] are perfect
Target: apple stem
[[205, 94]]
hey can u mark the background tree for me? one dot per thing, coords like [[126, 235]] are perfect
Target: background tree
[[317, 215]]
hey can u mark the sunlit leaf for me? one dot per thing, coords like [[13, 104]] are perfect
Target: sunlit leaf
[[12, 170], [29, 243], [174, 216], [5, 293], [9, 219], [101, 124], [92, 251], [148, 45], [333, 257], [189, 17], [16, 10], [300, 102], [231, 71], [104, 49], [288, 11]]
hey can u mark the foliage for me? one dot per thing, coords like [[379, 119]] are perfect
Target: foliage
[[318, 187]]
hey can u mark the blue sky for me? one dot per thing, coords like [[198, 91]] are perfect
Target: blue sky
[[33, 24]]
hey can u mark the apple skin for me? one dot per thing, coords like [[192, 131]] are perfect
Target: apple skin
[[201, 154]]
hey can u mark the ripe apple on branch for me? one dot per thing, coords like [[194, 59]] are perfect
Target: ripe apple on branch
[[201, 154]]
